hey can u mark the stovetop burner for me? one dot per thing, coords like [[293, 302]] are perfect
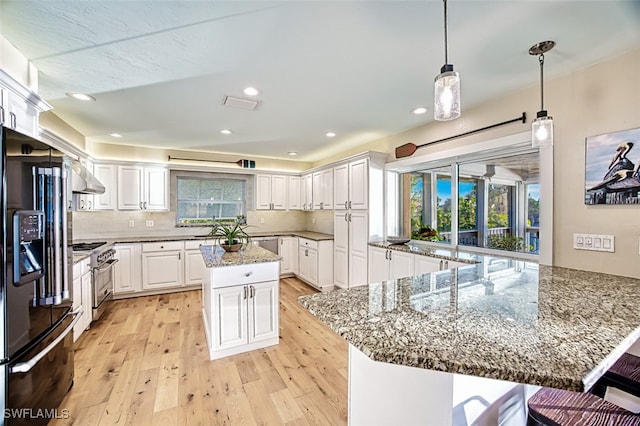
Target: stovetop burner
[[88, 246]]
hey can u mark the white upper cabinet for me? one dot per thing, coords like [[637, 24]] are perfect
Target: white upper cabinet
[[143, 188], [271, 192], [341, 186], [106, 174], [351, 185], [322, 190], [19, 106], [306, 192], [294, 192]]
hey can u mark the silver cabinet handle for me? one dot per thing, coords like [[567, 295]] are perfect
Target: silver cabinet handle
[[12, 120], [23, 367], [179, 256], [349, 203], [244, 292], [1, 115], [248, 274], [322, 205], [252, 293], [386, 254], [141, 207], [389, 254], [145, 205], [446, 264], [345, 205], [346, 217], [90, 205], [349, 217], [161, 247], [81, 204], [441, 265], [306, 252]]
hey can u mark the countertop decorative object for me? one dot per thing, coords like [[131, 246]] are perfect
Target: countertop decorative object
[[214, 256], [501, 318]]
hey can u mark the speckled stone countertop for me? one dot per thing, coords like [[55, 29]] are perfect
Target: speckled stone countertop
[[215, 256], [502, 318], [439, 253]]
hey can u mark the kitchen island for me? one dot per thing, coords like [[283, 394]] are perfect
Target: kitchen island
[[240, 298], [501, 318]]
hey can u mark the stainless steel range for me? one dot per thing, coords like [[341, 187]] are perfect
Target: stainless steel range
[[102, 271]]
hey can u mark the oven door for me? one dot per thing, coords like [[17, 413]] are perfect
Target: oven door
[[102, 286]]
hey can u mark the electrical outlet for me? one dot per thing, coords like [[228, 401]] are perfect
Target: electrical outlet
[[131, 223], [149, 223], [262, 220]]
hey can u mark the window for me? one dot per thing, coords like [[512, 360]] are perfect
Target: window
[[201, 200]]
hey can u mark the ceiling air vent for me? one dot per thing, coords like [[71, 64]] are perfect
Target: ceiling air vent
[[246, 104]]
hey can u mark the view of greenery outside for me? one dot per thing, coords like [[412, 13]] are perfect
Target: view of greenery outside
[[467, 204], [443, 208], [499, 204], [533, 204], [200, 200], [417, 201]]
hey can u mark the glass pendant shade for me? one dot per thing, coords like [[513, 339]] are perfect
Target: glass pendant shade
[[446, 104], [542, 131]]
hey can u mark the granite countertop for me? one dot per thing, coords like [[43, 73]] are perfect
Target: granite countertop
[[317, 236], [502, 318], [215, 256], [439, 253]]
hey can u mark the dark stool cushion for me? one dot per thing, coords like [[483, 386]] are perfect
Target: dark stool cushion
[[624, 375], [555, 407]]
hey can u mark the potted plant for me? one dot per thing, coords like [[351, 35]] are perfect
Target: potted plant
[[230, 235]]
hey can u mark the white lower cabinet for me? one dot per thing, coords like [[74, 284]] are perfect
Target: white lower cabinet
[[288, 250], [128, 274], [194, 267], [240, 314], [162, 265], [425, 264], [315, 263], [82, 295], [386, 264]]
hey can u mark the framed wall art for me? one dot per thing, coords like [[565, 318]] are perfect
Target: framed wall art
[[612, 168]]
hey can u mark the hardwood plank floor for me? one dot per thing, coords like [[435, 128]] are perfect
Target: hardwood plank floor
[[147, 363]]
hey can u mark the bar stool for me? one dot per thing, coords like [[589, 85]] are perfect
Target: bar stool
[[555, 407], [623, 375]]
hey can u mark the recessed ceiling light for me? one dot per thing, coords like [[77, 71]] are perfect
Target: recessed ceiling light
[[81, 96], [225, 131], [251, 91], [115, 135], [419, 110], [330, 134], [292, 153]]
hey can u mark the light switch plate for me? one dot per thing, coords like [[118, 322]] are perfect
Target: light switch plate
[[594, 242], [149, 223]]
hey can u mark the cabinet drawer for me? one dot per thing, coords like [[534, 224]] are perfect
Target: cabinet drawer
[[303, 242], [195, 245], [226, 276], [162, 246]]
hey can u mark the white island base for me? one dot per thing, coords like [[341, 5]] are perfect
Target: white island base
[[389, 394], [240, 306]]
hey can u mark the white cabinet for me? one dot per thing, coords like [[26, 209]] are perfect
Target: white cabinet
[[350, 248], [294, 193], [241, 312], [127, 272], [194, 266], [315, 263], [322, 190], [82, 295], [351, 185], [162, 265], [288, 250], [271, 192], [17, 111], [106, 174], [84, 202], [386, 264], [425, 264], [143, 188], [306, 192]]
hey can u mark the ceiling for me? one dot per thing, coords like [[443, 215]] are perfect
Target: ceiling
[[159, 70]]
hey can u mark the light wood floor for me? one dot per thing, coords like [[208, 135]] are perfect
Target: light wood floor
[[146, 363]]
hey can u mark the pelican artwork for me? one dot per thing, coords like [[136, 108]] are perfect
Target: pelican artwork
[[620, 160], [622, 175]]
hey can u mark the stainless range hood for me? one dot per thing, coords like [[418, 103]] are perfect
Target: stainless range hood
[[83, 181]]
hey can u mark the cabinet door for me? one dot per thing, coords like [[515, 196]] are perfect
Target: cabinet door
[[359, 184], [230, 317], [278, 192], [20, 115], [87, 300], [293, 193], [401, 264], [130, 187], [341, 248], [327, 189], [194, 267], [263, 192], [425, 264], [307, 187], [156, 188], [358, 247], [288, 249], [263, 311], [378, 264], [341, 187], [161, 270], [77, 302], [316, 190], [308, 264], [106, 174], [127, 273]]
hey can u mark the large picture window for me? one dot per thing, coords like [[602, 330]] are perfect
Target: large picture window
[[200, 200]]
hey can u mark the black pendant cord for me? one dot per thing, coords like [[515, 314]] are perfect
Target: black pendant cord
[[541, 60], [446, 48], [522, 118]]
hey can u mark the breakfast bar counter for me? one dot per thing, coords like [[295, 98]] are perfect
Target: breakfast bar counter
[[501, 318]]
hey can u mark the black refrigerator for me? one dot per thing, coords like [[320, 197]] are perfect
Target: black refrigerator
[[36, 318]]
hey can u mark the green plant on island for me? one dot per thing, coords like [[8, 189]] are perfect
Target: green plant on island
[[425, 233], [229, 232]]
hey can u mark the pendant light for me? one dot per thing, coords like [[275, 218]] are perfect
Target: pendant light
[[542, 126], [446, 85]]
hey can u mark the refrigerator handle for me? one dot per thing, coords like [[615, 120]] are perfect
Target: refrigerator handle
[[23, 367], [59, 245], [39, 187], [64, 196]]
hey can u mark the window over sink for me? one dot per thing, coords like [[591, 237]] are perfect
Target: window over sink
[[201, 200]]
